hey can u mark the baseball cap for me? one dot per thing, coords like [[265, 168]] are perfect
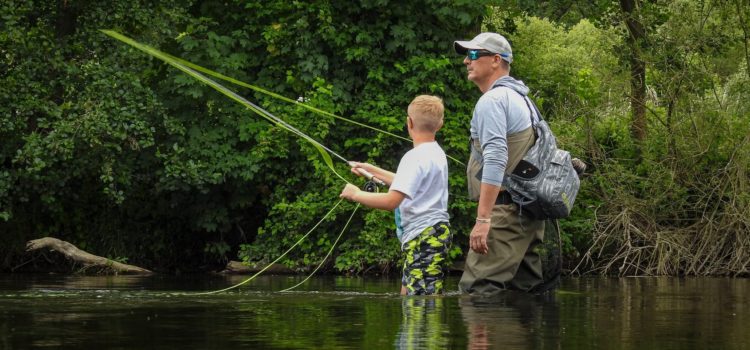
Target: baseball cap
[[491, 42]]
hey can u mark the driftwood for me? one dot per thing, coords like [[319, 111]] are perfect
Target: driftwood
[[236, 267], [87, 259]]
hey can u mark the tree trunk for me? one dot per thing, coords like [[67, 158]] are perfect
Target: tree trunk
[[90, 260], [741, 8], [636, 38]]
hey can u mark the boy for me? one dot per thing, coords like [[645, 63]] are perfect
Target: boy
[[419, 194]]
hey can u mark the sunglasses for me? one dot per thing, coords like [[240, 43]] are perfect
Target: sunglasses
[[474, 55]]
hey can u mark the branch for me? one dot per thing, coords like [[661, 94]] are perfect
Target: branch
[[73, 253]]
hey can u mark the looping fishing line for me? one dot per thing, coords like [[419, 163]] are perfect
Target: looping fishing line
[[324, 151], [191, 69], [282, 255], [330, 251], [177, 62]]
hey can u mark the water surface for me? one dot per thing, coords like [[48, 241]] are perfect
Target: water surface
[[334, 312]]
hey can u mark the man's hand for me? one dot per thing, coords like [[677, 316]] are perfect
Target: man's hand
[[478, 237], [578, 165], [349, 191]]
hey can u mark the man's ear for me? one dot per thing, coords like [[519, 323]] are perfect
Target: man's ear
[[497, 60]]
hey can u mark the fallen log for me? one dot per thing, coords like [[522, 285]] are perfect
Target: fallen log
[[87, 259], [237, 267]]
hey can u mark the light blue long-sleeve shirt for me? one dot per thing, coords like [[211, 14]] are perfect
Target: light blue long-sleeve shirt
[[498, 113]]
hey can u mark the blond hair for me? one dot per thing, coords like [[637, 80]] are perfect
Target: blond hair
[[426, 112]]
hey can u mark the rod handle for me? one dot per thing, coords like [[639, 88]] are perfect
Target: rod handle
[[370, 176]]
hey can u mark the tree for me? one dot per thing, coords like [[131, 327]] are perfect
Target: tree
[[636, 40]]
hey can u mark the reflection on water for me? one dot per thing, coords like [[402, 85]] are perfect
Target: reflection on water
[[328, 312], [423, 322], [512, 320]]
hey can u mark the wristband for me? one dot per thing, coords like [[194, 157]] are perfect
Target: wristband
[[484, 221]]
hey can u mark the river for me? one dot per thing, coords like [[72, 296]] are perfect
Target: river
[[335, 312]]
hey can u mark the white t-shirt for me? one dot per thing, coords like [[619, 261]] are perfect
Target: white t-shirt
[[422, 177]]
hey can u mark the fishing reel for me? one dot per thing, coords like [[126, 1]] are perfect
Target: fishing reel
[[371, 186]]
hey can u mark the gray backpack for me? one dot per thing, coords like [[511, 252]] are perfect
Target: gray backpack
[[544, 184]]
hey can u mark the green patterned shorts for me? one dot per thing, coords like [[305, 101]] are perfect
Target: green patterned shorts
[[425, 260]]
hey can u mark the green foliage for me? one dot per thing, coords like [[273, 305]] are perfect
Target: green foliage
[[79, 123], [374, 87], [663, 204], [568, 80], [123, 155], [565, 12]]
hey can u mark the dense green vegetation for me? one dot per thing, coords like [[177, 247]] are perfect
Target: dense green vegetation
[[127, 157]]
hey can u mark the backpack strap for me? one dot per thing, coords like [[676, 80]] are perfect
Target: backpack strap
[[525, 99]]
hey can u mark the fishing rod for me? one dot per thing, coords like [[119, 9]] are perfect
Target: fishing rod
[[325, 152], [373, 181], [167, 57]]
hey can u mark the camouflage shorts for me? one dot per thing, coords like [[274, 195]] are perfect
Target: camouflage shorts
[[425, 260]]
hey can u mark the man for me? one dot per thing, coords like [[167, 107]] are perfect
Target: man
[[502, 242]]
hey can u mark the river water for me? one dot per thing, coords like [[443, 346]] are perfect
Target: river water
[[334, 312]]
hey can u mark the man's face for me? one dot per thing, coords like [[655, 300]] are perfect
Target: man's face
[[479, 64]]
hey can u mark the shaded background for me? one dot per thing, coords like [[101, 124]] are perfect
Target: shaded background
[[130, 159]]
